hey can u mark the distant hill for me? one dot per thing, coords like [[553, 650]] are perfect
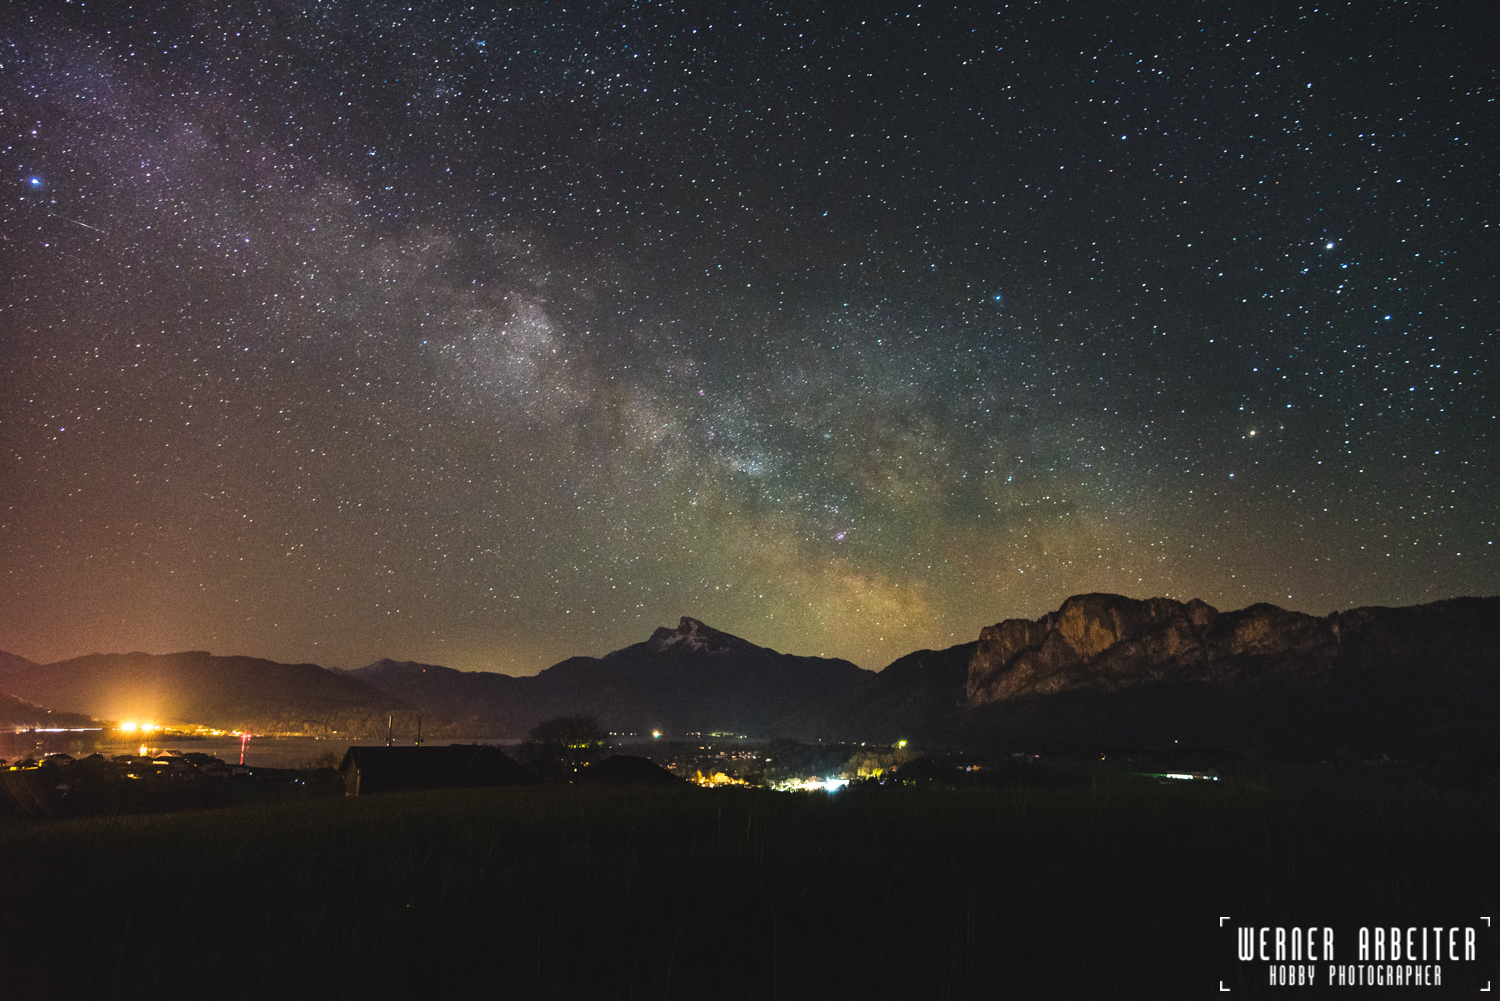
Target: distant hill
[[476, 702], [19, 714], [10, 662], [195, 687], [690, 679], [918, 697]]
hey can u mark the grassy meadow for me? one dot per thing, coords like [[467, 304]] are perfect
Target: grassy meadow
[[1109, 888]]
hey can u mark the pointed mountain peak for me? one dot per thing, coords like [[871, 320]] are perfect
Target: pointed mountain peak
[[386, 666], [695, 637]]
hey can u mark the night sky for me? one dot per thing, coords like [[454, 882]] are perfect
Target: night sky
[[338, 331]]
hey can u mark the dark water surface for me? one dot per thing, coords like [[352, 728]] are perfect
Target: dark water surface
[[264, 752]]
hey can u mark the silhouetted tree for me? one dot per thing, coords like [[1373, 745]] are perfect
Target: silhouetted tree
[[557, 748]]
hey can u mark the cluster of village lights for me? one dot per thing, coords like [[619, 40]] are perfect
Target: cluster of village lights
[[811, 785], [131, 727]]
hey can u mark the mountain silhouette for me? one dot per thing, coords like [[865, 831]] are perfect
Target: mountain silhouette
[[1106, 670], [234, 693], [1102, 671], [690, 679]]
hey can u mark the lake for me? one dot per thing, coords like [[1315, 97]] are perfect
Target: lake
[[263, 752]]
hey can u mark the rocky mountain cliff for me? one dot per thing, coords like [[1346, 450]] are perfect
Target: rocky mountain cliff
[[1109, 671], [1106, 642]]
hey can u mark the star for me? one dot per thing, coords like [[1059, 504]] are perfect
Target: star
[[481, 318]]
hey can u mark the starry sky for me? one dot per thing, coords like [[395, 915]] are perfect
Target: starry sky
[[345, 330]]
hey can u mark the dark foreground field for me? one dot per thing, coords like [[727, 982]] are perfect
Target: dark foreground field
[[1093, 890]]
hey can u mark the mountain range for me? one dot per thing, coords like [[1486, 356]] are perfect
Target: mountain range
[[195, 687], [1101, 671], [692, 679], [1420, 681]]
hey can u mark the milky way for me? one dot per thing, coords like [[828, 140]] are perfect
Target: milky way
[[488, 338]]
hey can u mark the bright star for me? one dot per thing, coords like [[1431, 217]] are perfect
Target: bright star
[[1328, 245]]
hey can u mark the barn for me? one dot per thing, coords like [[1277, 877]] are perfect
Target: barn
[[369, 770]]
